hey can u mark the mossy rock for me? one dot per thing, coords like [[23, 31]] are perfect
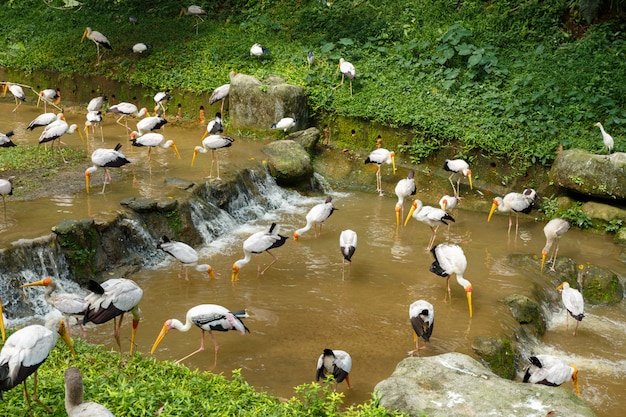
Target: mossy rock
[[601, 286], [526, 311], [78, 240], [497, 354]]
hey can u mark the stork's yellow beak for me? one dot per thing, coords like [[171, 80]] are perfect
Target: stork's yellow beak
[[493, 208], [468, 292], [87, 180], [176, 150], [160, 337], [413, 207], [66, 337]]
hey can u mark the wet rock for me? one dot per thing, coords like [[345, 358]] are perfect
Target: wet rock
[[526, 312], [79, 240], [308, 138], [288, 162], [454, 384], [600, 286], [589, 174], [497, 354], [604, 212]]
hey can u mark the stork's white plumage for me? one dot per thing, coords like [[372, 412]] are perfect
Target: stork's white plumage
[[448, 203], [257, 243], [160, 99], [96, 103], [5, 140], [141, 47], [126, 109], [113, 298], [209, 318], [153, 140], [220, 93], [258, 50], [284, 124], [18, 94], [74, 393], [347, 245], [422, 316], [337, 363], [606, 138], [316, 216], [67, 303], [450, 259], [94, 118], [97, 38], [431, 216], [550, 370], [26, 350], [378, 157], [105, 158], [554, 230], [458, 167], [6, 188], [404, 188], [149, 124], [347, 70], [514, 203], [212, 143], [196, 11], [214, 127], [573, 302], [44, 120], [186, 255], [55, 130], [49, 95]]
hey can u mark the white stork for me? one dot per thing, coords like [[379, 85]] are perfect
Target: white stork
[[25, 351], [554, 230], [257, 243], [186, 255], [209, 318], [51, 96], [67, 303], [514, 203], [318, 214], [6, 188], [94, 118], [5, 140], [74, 392], [606, 138], [381, 156], [404, 188], [96, 103], [153, 140], [105, 158], [285, 124], [347, 70], [141, 47], [433, 217], [212, 143], [347, 245], [220, 93], [111, 299], [160, 99], [97, 38], [18, 94], [450, 259], [458, 167], [55, 130], [214, 127], [337, 363], [149, 124], [258, 50], [422, 316], [573, 302], [45, 119], [448, 203], [126, 109], [196, 11], [550, 370]]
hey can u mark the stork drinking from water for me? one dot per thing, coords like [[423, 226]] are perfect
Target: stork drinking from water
[[347, 245], [450, 259], [316, 216], [105, 158], [258, 243], [422, 316], [186, 255], [550, 370], [404, 188]]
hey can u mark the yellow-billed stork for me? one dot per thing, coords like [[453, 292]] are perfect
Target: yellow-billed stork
[[209, 318], [25, 351], [450, 259], [126, 109], [433, 217], [153, 140], [196, 11], [55, 130], [378, 157], [554, 230], [514, 203], [149, 124], [318, 214], [186, 255], [96, 103], [5, 140], [422, 316], [337, 363], [550, 370], [214, 127], [67, 303], [51, 96], [448, 203], [606, 138], [347, 70], [45, 119], [257, 243], [113, 298], [105, 158], [285, 124], [97, 38], [347, 245], [94, 118], [74, 393], [220, 93], [6, 188], [160, 99], [458, 167], [258, 50], [404, 188], [573, 302], [212, 143], [18, 94]]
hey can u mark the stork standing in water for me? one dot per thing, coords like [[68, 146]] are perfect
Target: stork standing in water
[[160, 99], [97, 38], [126, 109], [347, 70], [431, 216], [94, 118], [149, 124], [45, 119], [212, 143], [74, 392], [422, 316], [554, 230], [209, 318], [316, 216], [550, 370], [458, 167], [96, 103], [379, 157], [18, 94], [337, 363], [450, 259], [105, 158], [113, 298], [258, 243], [25, 351], [153, 140], [186, 255], [347, 245], [55, 130], [67, 303], [196, 11], [51, 96], [573, 302], [6, 188], [514, 203], [404, 188]]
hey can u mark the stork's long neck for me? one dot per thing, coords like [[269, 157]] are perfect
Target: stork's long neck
[[306, 228], [245, 260], [462, 281], [176, 324], [51, 288]]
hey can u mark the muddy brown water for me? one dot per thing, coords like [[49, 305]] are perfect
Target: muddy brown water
[[301, 305]]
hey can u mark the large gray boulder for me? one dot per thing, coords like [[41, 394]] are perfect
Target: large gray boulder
[[456, 385], [288, 162], [589, 174], [257, 105]]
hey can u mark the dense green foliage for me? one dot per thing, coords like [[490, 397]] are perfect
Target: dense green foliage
[[505, 78], [144, 387]]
